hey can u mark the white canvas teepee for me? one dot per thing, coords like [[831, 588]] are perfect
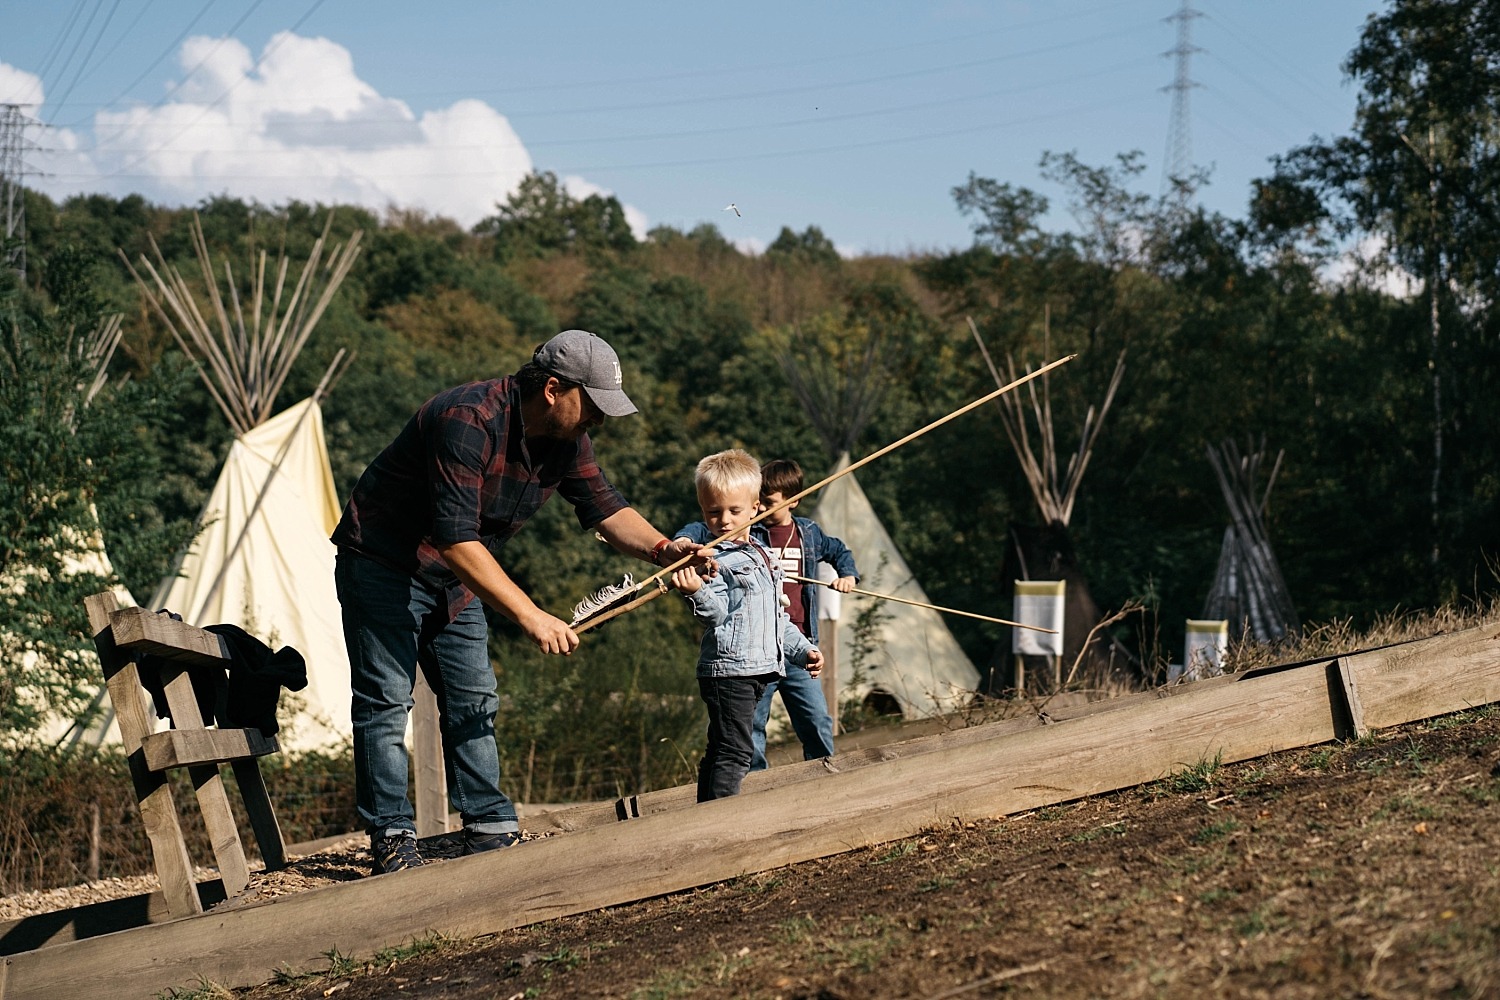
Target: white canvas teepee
[[915, 659], [264, 562]]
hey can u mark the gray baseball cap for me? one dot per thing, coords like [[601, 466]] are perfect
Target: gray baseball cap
[[580, 356]]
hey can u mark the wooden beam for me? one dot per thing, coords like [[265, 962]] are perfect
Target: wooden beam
[[43, 930], [143, 632], [430, 779], [182, 747], [1245, 717]]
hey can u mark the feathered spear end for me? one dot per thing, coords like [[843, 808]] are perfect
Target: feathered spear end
[[612, 600]]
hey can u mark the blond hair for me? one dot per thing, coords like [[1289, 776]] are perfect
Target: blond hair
[[727, 471]]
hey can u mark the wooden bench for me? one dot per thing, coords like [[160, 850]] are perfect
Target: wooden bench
[[123, 636]]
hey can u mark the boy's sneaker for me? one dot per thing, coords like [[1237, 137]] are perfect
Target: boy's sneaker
[[478, 843], [395, 852]]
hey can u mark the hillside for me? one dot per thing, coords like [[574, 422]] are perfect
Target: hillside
[[1366, 868]]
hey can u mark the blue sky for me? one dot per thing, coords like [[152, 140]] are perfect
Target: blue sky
[[856, 117]]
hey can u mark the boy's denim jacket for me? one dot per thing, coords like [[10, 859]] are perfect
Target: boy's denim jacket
[[748, 632], [816, 547]]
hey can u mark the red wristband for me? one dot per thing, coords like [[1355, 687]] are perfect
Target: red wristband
[[657, 551]]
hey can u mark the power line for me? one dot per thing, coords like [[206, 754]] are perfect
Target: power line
[[78, 74]]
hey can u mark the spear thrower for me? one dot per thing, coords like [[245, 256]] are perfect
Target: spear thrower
[[615, 600]]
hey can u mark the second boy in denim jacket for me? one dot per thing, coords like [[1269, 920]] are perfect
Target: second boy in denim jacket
[[748, 632]]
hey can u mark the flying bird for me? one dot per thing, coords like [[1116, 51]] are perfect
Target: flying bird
[[732, 207]]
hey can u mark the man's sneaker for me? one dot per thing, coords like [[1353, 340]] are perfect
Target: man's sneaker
[[478, 843], [395, 852]]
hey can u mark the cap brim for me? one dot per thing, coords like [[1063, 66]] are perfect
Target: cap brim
[[611, 402]]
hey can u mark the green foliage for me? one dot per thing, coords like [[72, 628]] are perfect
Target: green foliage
[[540, 219]]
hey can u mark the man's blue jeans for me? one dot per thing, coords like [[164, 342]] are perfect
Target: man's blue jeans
[[392, 625], [731, 713], [802, 694]]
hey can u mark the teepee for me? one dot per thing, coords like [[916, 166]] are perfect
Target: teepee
[[1248, 590], [1045, 551], [908, 659], [262, 559]]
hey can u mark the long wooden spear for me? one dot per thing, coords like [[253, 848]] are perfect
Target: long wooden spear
[[920, 604], [611, 602]]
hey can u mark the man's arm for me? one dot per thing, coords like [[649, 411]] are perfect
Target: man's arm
[[473, 564], [632, 534]]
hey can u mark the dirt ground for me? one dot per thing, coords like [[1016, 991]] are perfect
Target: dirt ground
[[1366, 869]]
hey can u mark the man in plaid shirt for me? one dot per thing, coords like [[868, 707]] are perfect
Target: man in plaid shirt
[[418, 546]]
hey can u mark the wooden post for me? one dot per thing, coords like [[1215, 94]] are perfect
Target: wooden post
[[830, 648], [427, 759], [1020, 675]]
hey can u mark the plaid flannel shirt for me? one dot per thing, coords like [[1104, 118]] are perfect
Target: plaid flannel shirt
[[462, 470]]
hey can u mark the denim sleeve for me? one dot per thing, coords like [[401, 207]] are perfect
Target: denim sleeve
[[697, 531], [794, 643], [710, 602], [836, 554]]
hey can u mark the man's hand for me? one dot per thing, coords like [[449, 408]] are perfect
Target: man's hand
[[844, 584], [551, 635], [687, 580], [814, 661], [703, 556]]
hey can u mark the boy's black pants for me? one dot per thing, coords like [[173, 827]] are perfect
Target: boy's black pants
[[731, 719]]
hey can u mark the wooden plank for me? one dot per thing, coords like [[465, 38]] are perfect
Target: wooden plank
[[153, 795], [1417, 680], [143, 632], [182, 747], [614, 864], [429, 777], [258, 807], [944, 733], [93, 919], [1343, 683]]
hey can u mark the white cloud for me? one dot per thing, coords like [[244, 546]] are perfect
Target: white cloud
[[581, 189], [18, 86], [297, 123]]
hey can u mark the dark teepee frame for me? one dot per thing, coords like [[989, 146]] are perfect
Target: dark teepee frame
[[1248, 589]]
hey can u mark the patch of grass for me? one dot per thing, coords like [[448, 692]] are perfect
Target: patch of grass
[[896, 853], [933, 885], [1319, 760], [563, 958], [1195, 778], [339, 964], [425, 945], [1253, 924], [757, 884], [1213, 897], [1484, 793], [795, 930], [1115, 829], [1216, 831], [205, 990]]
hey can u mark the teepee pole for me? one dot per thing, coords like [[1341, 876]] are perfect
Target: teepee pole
[[921, 604], [788, 501]]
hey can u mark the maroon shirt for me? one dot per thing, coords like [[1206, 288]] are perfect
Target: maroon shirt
[[462, 470], [786, 547]]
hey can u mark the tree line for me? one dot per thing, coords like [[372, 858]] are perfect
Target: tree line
[[1247, 329]]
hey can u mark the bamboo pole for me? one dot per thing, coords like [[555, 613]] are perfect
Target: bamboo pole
[[921, 604], [660, 574]]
